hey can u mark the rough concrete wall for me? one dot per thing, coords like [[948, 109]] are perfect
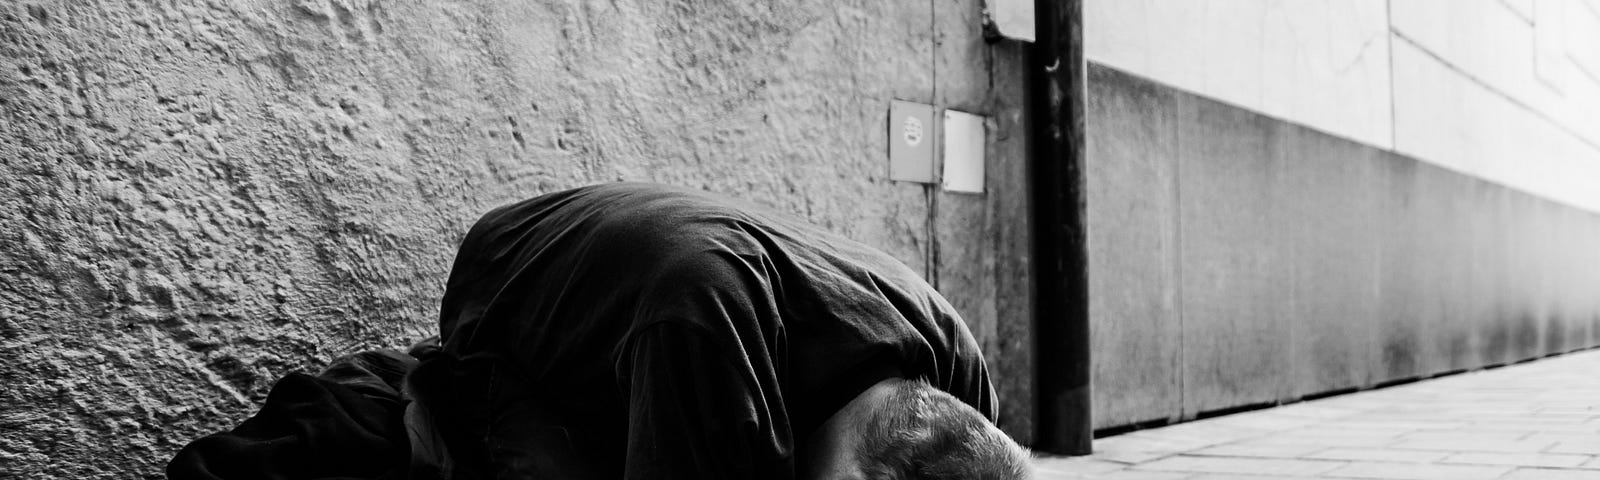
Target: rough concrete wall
[[201, 196], [1237, 260]]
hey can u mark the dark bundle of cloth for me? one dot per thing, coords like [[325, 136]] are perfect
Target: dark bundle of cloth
[[347, 422]]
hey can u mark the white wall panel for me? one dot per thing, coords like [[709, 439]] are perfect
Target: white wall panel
[[1325, 65], [1490, 42], [1506, 90], [1583, 37], [1524, 8], [1550, 61], [1449, 120]]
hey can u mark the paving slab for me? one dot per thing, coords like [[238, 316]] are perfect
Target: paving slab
[[1379, 455], [1418, 471], [1549, 474], [1533, 420], [1557, 460], [1244, 465]]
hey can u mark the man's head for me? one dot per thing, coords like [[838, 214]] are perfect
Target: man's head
[[908, 430]]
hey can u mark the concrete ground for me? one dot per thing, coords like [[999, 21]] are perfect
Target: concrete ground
[[1535, 421]]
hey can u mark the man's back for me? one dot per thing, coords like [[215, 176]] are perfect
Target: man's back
[[659, 332]]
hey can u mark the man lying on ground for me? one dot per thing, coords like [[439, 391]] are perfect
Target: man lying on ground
[[644, 332]]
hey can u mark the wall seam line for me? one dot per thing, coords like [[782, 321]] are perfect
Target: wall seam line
[[1178, 300], [1394, 121], [1593, 77], [1515, 13], [1486, 86], [931, 190]]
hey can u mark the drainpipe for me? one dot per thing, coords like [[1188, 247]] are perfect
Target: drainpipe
[[1061, 314]]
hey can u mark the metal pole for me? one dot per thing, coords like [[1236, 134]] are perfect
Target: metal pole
[[1061, 323]]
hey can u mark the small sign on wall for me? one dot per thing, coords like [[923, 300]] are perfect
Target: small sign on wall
[[911, 137], [963, 152]]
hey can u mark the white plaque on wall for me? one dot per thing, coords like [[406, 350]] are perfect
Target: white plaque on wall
[[963, 152]]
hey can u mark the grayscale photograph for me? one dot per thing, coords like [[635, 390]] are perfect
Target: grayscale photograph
[[800, 239]]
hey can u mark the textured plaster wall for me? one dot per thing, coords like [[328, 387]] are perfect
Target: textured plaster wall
[[200, 196]]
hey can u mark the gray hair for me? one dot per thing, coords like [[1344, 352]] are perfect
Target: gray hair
[[922, 433]]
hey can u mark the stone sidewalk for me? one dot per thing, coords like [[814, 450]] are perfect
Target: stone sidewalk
[[1533, 421]]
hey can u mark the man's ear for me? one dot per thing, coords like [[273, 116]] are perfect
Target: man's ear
[[832, 452]]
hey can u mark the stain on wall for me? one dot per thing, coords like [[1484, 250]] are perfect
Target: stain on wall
[[203, 195]]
